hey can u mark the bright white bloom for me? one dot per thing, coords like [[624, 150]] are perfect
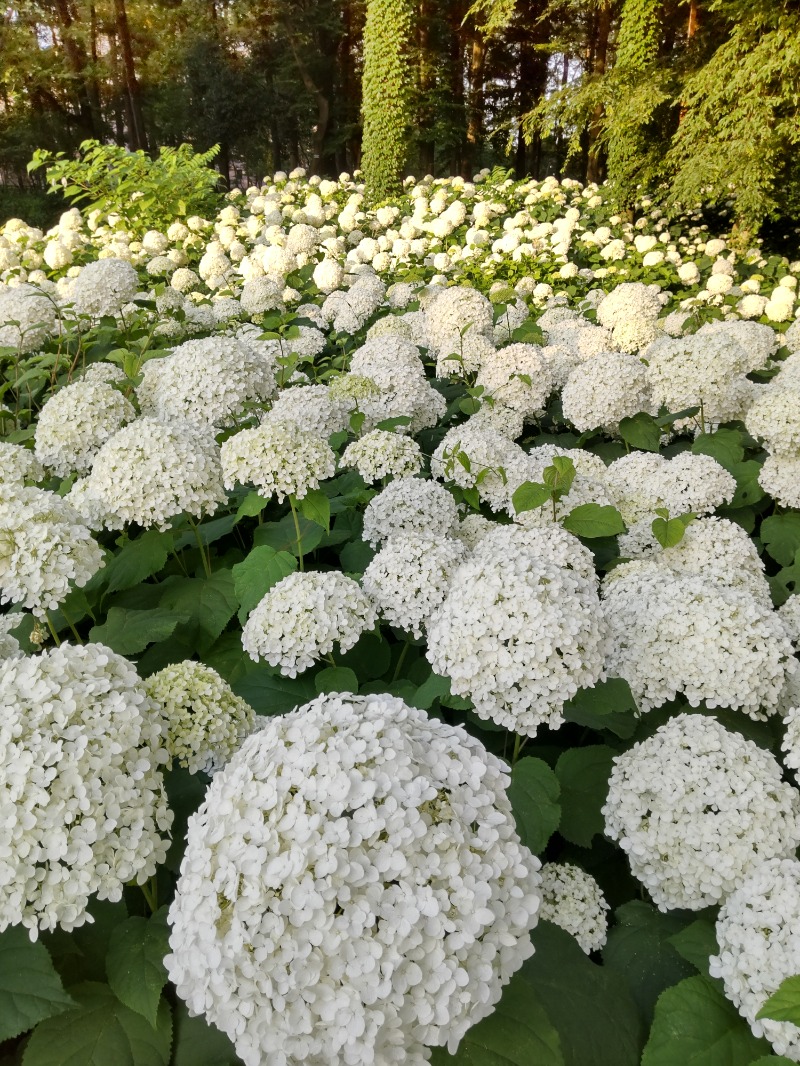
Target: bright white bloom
[[260, 295], [687, 483], [631, 312], [104, 287], [75, 423], [573, 900], [780, 477], [44, 549], [476, 455], [695, 807], [303, 616], [381, 454], [602, 391], [790, 614], [517, 377], [149, 472], [81, 753], [328, 275], [277, 457], [775, 418], [521, 629], [394, 365], [9, 645], [758, 932], [206, 722], [27, 317], [18, 464], [410, 507], [454, 316], [312, 408], [355, 875]]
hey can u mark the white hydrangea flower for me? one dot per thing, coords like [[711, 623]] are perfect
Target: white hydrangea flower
[[356, 876], [521, 629], [631, 312], [758, 932], [517, 377], [27, 317], [683, 632], [75, 423], [312, 408], [277, 457], [328, 275], [410, 577], [780, 477], [348, 312], [381, 454], [393, 364], [602, 391], [149, 472], [206, 722], [448, 314], [18, 464], [686, 484], [80, 766], [261, 294], [775, 418], [410, 507], [104, 287], [573, 900], [472, 529], [476, 455], [44, 549], [790, 616], [9, 645], [300, 619], [695, 807]]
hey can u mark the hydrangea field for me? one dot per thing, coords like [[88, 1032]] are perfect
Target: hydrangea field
[[398, 651]]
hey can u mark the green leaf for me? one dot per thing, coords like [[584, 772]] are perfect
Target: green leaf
[[517, 1033], [669, 531], [257, 574], [101, 1031], [268, 692], [137, 560], [390, 424], [529, 496], [697, 943], [608, 705], [534, 792], [433, 688], [316, 507], [781, 536], [197, 1043], [772, 1060], [134, 963], [590, 1006], [208, 603], [748, 489], [583, 774], [528, 333], [641, 431], [591, 520], [336, 679], [786, 582], [670, 417], [282, 536], [30, 988], [253, 504], [695, 1025], [209, 532], [129, 632], [784, 1004], [725, 445], [560, 475]]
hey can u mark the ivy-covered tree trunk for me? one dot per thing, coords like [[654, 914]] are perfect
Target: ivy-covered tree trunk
[[386, 95]]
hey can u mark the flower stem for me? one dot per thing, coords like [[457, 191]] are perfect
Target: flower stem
[[519, 743], [401, 657], [201, 546], [297, 532], [51, 627]]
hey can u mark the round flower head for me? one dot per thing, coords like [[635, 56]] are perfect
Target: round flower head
[[758, 933], [476, 455], [517, 377], [381, 454], [44, 547], [631, 312], [75, 423], [572, 899], [206, 722], [447, 315], [695, 807], [151, 471], [312, 408], [642, 482], [394, 366], [207, 382], [81, 752], [9, 645], [303, 616], [602, 391], [780, 477], [277, 457], [27, 317], [18, 464], [410, 507], [775, 419], [519, 632], [104, 287], [356, 876]]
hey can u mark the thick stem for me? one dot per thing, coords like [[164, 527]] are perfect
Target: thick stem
[[201, 546], [297, 533], [400, 659], [51, 627]]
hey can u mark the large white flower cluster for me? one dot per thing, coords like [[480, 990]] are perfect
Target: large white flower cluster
[[207, 381], [27, 317], [381, 454], [758, 933], [277, 457], [353, 888], [81, 763], [459, 323], [686, 484], [301, 618], [312, 408], [573, 900], [602, 391], [104, 287], [75, 423], [410, 507], [44, 548], [9, 645], [521, 629], [18, 464], [517, 377], [206, 721], [394, 365], [477, 455], [695, 807], [151, 471], [631, 312]]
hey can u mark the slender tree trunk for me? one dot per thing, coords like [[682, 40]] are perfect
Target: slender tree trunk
[[427, 81], [457, 64], [137, 134], [78, 63], [595, 164], [323, 107], [477, 65]]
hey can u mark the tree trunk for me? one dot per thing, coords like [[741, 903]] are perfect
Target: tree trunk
[[427, 81], [595, 164], [136, 133], [477, 65], [78, 63]]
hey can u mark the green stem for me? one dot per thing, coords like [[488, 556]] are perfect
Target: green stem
[[397, 668], [297, 532], [519, 744], [52, 629], [75, 632], [150, 893], [330, 659], [201, 546]]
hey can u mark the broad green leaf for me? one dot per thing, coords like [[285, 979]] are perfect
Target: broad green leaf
[[641, 431], [725, 445], [137, 560], [591, 520], [667, 418], [695, 1025], [560, 474], [390, 424], [529, 496], [316, 507], [517, 1033], [430, 690], [129, 632], [668, 531], [534, 793], [134, 963], [781, 536], [30, 988], [253, 504], [100, 1031], [336, 679], [786, 582], [268, 692], [748, 489], [282, 536], [589, 1005], [208, 532], [784, 1004], [196, 1043], [639, 949], [583, 774], [370, 658], [208, 602], [528, 333], [697, 943], [608, 705], [772, 1060], [256, 575]]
